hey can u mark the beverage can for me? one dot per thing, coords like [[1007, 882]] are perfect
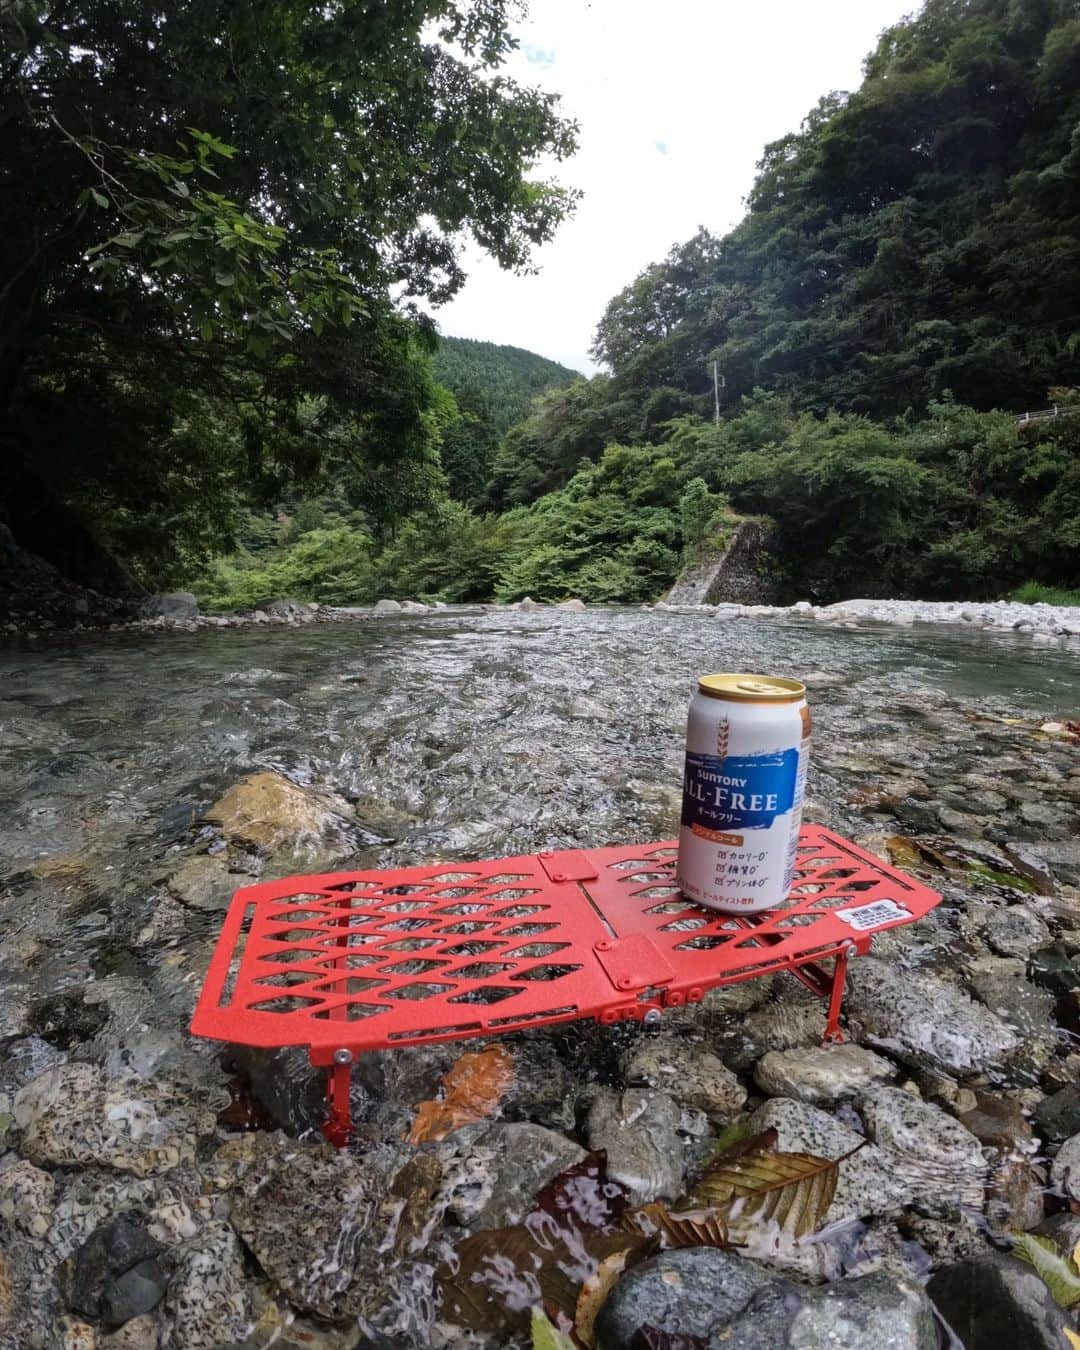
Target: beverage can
[[747, 753]]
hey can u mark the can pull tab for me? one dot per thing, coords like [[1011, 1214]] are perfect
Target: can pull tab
[[755, 687]]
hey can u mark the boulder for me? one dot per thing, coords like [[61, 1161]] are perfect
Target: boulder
[[414, 607], [529, 603], [388, 607], [922, 1020], [867, 1312], [995, 1302], [819, 1073], [174, 607], [285, 609], [265, 811], [683, 1293], [574, 604]]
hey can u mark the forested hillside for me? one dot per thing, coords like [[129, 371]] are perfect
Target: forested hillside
[[508, 379]]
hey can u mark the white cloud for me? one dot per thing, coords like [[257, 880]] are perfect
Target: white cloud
[[676, 101]]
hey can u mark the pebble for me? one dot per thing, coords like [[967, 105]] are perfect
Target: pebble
[[819, 1073]]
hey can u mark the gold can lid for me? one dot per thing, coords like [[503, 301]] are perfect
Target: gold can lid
[[752, 688]]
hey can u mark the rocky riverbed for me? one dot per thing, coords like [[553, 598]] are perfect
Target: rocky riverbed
[[158, 1191]]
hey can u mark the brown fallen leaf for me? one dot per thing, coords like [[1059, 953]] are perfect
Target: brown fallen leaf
[[472, 1088], [683, 1228], [793, 1190], [594, 1293]]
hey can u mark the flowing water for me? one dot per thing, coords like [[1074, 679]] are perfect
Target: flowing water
[[461, 734]]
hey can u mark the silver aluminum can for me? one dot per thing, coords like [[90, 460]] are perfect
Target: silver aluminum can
[[747, 752]]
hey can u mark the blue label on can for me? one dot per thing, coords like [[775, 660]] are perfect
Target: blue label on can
[[738, 792]]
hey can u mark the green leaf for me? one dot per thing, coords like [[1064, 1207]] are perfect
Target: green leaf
[[99, 197], [206, 330], [1056, 1271], [225, 279], [547, 1336]]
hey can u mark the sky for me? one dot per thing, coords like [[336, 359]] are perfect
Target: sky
[[676, 99]]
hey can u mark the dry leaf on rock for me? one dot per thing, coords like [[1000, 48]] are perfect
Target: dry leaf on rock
[[684, 1228], [472, 1088]]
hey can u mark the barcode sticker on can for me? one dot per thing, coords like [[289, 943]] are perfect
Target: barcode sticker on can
[[873, 916]]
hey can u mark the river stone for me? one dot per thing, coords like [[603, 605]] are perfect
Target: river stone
[[1001, 983], [141, 1333], [491, 1179], [999, 1123], [1065, 1169], [638, 1129], [795, 1017], [265, 812], [286, 608], [1016, 931], [689, 1073], [680, 1293], [72, 1116], [115, 1275], [206, 1306], [414, 607], [27, 1196], [387, 607], [934, 1154], [204, 882], [305, 1210], [529, 603], [1058, 1116], [867, 1312], [819, 1073], [924, 1021], [868, 1183], [997, 1303], [574, 604]]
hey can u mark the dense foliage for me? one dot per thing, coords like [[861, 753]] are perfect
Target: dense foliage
[[916, 239], [493, 387], [204, 211]]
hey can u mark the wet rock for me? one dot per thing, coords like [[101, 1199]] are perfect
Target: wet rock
[[67, 1019], [204, 882], [689, 1073], [115, 1274], [1015, 1195], [680, 1292], [575, 604], [821, 1073], [414, 607], [305, 1210], [998, 1303], [1001, 983], [868, 1183], [1063, 1229], [173, 606], [141, 1333], [934, 1155], [27, 1197], [265, 812], [864, 1313], [491, 1179], [999, 1123], [639, 1130], [72, 1333], [72, 1116], [1055, 970], [1016, 931], [1058, 1116], [794, 1018], [207, 1303], [286, 608], [1065, 1169], [924, 1021], [387, 607], [529, 603]]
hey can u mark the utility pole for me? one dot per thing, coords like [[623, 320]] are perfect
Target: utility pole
[[718, 383]]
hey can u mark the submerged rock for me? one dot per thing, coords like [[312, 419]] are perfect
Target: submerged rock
[[689, 1073], [1065, 1169], [868, 1312], [206, 1307], [997, 1303], [115, 1275], [639, 1130], [924, 1021], [935, 1156], [820, 1073], [1016, 931], [679, 1293], [73, 1116], [491, 1179], [265, 812], [868, 1183]]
